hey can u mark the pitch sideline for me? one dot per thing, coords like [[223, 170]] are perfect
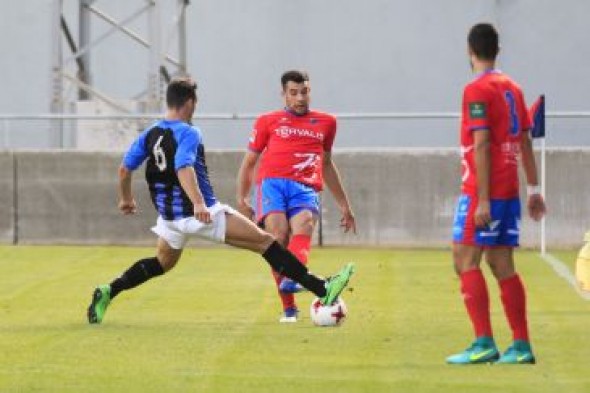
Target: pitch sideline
[[564, 272]]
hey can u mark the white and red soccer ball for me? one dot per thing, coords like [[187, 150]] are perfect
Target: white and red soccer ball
[[332, 315]]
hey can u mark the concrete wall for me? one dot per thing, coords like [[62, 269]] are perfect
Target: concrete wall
[[7, 207], [72, 198], [401, 198], [568, 187], [398, 197]]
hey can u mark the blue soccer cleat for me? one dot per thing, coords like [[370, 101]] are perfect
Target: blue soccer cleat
[[519, 352], [290, 315], [483, 350], [289, 286]]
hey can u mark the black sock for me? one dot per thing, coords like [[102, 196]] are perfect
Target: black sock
[[285, 263], [140, 272]]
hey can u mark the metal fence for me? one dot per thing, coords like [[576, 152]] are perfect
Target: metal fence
[[230, 130]]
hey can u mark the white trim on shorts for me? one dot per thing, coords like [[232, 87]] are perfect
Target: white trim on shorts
[[177, 232]]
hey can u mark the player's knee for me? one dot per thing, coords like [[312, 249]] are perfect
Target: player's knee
[[281, 235], [502, 271], [465, 258], [306, 228], [261, 243], [168, 264], [266, 239], [167, 257], [304, 223], [457, 261]]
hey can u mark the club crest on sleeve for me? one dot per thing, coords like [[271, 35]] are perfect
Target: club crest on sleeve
[[477, 110]]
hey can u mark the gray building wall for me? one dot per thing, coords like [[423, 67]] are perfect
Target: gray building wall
[[400, 198], [7, 200], [363, 56]]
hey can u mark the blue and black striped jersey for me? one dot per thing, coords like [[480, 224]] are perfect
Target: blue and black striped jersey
[[168, 146]]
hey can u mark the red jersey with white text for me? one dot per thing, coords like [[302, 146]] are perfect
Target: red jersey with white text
[[493, 102], [293, 145]]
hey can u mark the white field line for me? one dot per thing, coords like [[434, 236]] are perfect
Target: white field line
[[564, 272]]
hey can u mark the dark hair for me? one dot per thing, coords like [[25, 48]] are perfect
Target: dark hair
[[483, 41], [294, 76], [179, 91]]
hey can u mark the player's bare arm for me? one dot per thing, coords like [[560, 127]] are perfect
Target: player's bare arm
[[332, 180], [188, 181], [245, 176], [535, 203], [127, 204], [481, 150]]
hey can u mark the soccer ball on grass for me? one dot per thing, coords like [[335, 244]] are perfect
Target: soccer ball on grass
[[333, 315]]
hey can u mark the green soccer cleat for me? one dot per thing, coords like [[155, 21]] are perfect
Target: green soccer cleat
[[483, 350], [519, 352], [336, 284], [100, 301]]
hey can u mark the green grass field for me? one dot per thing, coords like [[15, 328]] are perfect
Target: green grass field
[[211, 325]]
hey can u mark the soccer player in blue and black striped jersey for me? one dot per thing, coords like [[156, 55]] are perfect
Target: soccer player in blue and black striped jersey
[[181, 192]]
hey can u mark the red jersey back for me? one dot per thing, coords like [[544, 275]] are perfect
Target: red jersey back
[[293, 145], [496, 103]]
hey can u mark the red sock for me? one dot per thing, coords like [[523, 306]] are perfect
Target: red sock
[[477, 301], [299, 245], [513, 297], [287, 299]]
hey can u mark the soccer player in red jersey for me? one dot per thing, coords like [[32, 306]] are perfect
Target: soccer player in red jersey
[[495, 128], [294, 147]]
